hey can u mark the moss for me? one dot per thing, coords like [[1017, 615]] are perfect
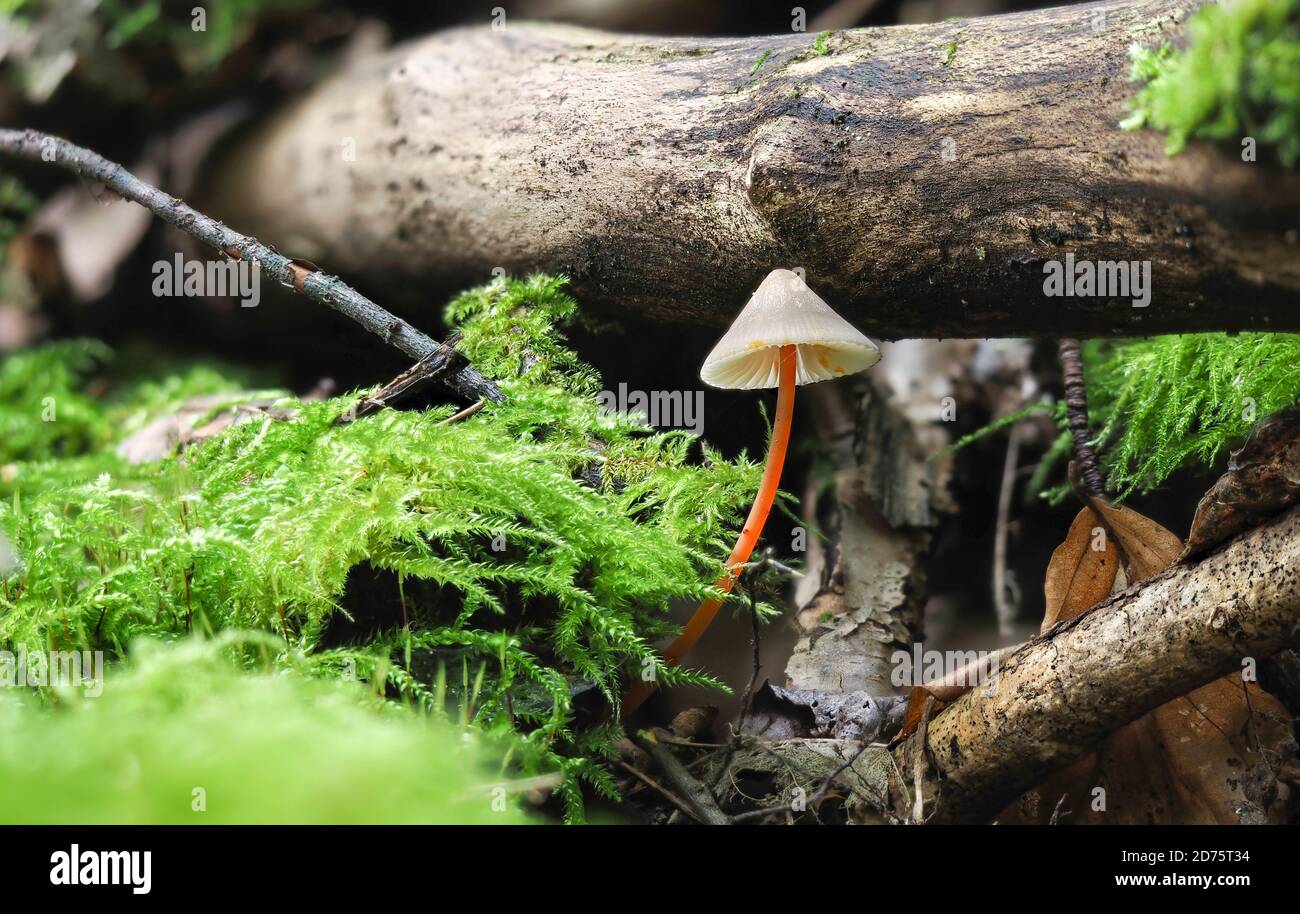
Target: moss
[[820, 46], [1238, 76], [219, 734], [1168, 403], [534, 547]]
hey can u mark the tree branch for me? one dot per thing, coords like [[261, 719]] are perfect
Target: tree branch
[[1062, 692], [922, 192], [308, 280]]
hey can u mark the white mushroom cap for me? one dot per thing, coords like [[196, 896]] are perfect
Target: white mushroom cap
[[783, 311]]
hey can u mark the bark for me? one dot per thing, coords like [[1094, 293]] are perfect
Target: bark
[[862, 597], [1060, 694], [922, 189]]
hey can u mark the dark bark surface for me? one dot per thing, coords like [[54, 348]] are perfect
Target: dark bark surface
[[921, 184]]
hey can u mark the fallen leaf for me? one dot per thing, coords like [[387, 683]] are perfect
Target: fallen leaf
[[694, 723], [779, 713], [949, 688], [915, 710], [1263, 478], [163, 435], [1146, 547], [93, 238], [1079, 575], [1207, 758]]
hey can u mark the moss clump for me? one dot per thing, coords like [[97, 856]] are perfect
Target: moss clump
[[218, 733], [1170, 401], [1167, 403], [533, 549], [1238, 76]]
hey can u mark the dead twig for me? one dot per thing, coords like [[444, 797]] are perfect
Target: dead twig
[[919, 763], [700, 798], [1006, 599], [682, 805], [428, 369], [1076, 404], [1057, 812], [463, 414], [303, 278]]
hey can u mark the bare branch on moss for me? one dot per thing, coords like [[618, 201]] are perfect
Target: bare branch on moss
[[304, 278]]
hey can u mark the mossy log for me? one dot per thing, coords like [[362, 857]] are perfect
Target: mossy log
[[921, 175]]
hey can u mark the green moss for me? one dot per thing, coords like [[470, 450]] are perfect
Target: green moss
[[758, 64], [534, 547], [208, 733], [1238, 77], [820, 46], [1168, 403]]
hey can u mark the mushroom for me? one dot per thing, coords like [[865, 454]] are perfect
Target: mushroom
[[785, 336]]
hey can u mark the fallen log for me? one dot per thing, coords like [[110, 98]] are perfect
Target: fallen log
[[923, 176]]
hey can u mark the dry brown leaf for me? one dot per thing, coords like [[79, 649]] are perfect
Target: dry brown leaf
[[163, 435], [916, 710], [1079, 575], [694, 723], [1263, 478], [1203, 759], [1146, 547]]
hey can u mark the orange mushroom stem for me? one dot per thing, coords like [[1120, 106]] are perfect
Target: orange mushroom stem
[[753, 529], [783, 337]]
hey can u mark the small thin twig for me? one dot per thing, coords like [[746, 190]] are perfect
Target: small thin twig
[[306, 279], [701, 800], [1056, 811], [1005, 604], [755, 644], [919, 763], [1076, 405], [428, 369], [687, 743], [463, 414], [660, 789]]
